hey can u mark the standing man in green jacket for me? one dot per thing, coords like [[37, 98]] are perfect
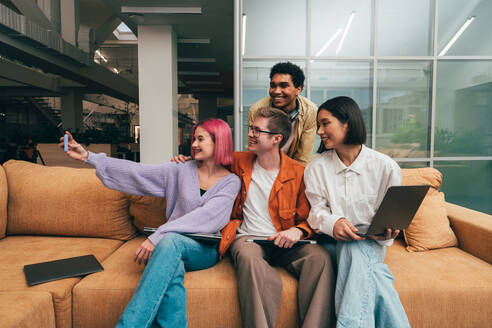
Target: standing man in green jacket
[[286, 83]]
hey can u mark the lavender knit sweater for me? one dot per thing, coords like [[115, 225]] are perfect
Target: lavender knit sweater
[[187, 211]]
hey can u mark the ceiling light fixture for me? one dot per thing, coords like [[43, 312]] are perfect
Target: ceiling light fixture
[[161, 10], [198, 73], [196, 60], [207, 90], [329, 42], [347, 27], [116, 70], [100, 55], [457, 35], [203, 82], [199, 41], [243, 32]]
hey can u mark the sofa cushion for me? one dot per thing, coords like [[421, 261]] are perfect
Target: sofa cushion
[[442, 288], [18, 251], [64, 201], [3, 202], [430, 228], [147, 211], [99, 299], [26, 310]]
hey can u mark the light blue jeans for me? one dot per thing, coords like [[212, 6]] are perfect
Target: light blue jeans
[[160, 297], [364, 291]]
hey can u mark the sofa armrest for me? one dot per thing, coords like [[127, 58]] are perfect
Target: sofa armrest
[[3, 202], [473, 230]]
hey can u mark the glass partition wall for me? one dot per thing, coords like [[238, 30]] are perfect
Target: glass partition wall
[[420, 70]]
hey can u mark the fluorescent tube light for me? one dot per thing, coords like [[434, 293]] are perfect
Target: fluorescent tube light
[[203, 83], [196, 60], [349, 22], [198, 73], [456, 36], [329, 42], [100, 55], [243, 32], [200, 41], [116, 70], [207, 90], [161, 10]]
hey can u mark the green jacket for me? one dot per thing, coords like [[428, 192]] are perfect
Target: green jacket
[[305, 132]]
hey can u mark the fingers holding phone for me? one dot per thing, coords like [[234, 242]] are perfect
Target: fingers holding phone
[[72, 148]]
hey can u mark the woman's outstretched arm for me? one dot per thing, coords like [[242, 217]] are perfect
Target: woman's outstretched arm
[[122, 175]]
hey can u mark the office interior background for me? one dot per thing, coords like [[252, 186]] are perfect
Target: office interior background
[[421, 71]]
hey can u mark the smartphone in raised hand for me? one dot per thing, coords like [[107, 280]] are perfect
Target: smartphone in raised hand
[[65, 142]]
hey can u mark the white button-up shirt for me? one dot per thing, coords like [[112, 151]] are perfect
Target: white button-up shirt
[[355, 192]]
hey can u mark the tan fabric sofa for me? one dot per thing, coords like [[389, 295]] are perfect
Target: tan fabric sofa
[[52, 213]]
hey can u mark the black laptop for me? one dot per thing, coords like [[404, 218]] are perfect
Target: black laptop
[[396, 211], [60, 269]]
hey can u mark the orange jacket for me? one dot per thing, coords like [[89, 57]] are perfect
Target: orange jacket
[[288, 205]]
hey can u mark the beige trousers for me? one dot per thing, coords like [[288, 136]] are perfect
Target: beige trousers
[[260, 286]]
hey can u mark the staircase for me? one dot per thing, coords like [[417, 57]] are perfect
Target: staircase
[[49, 107]]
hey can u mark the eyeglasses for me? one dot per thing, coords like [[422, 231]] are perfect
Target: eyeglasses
[[256, 131]]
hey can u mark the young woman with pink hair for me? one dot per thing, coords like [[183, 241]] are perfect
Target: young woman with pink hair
[[199, 194]]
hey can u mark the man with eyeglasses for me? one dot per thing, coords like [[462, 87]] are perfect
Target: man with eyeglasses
[[286, 83], [272, 205]]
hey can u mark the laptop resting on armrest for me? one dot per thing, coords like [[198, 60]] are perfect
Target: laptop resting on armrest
[[396, 211]]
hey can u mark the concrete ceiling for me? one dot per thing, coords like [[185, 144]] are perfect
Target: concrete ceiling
[[216, 23]]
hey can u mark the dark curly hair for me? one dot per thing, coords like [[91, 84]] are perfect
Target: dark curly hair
[[293, 70]]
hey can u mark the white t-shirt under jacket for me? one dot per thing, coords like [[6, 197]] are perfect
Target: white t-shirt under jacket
[[256, 215], [355, 192]]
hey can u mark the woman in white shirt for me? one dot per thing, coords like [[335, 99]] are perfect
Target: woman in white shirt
[[345, 186]]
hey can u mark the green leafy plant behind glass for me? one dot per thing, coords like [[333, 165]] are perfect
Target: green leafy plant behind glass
[[446, 142]]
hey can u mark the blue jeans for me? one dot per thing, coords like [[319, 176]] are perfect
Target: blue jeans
[[364, 291], [160, 297]]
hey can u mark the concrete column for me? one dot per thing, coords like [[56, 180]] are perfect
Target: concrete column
[[71, 113], [70, 21], [157, 85], [51, 9], [207, 107]]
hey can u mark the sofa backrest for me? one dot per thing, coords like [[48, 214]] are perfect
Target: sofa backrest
[[147, 211], [3, 202], [64, 201], [420, 176]]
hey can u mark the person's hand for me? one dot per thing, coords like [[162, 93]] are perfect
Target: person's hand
[[180, 159], [144, 252], [287, 238], [75, 150], [390, 234], [344, 230]]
